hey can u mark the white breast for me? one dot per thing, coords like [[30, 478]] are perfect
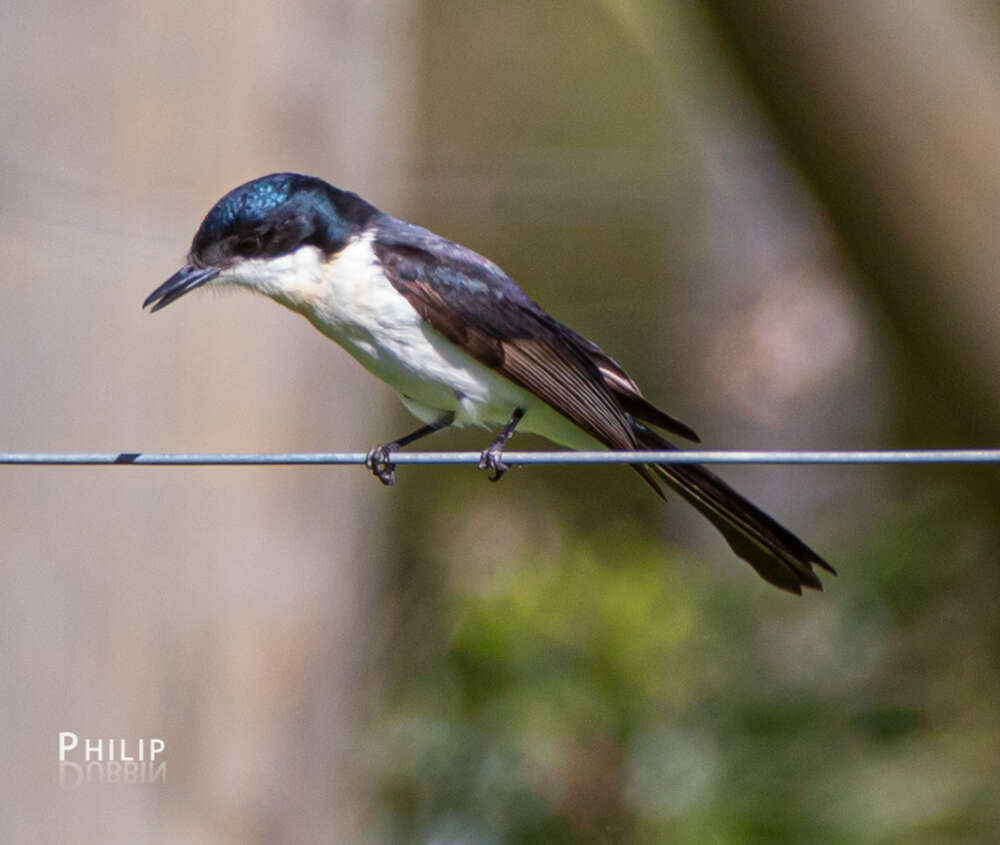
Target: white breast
[[350, 300]]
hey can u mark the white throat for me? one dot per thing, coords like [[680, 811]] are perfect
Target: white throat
[[349, 299]]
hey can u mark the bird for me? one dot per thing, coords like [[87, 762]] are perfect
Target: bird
[[460, 342]]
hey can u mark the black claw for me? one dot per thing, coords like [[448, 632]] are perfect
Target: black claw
[[492, 461], [377, 460]]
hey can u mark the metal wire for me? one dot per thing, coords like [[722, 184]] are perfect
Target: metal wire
[[926, 456]]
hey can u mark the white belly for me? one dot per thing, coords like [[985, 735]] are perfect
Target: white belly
[[351, 301]]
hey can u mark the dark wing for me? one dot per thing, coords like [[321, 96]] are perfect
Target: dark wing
[[630, 397], [474, 304], [479, 308]]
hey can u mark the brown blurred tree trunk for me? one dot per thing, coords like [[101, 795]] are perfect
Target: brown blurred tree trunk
[[893, 113]]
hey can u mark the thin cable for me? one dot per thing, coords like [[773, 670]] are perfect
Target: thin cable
[[905, 456]]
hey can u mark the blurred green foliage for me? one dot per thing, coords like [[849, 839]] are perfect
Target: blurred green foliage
[[615, 691]]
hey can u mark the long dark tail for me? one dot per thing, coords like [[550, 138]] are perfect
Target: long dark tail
[[779, 557]]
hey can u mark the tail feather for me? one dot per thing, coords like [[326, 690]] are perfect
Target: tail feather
[[779, 557]]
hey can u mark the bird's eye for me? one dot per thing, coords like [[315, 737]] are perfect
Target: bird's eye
[[246, 246]]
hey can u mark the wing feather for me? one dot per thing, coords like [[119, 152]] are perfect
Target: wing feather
[[630, 397], [480, 309]]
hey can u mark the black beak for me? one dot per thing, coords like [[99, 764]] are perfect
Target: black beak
[[186, 279]]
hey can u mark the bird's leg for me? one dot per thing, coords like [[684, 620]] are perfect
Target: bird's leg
[[378, 460], [492, 458]]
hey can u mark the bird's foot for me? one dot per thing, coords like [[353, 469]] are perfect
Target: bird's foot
[[378, 460], [492, 461]]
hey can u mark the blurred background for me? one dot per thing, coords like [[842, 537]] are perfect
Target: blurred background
[[781, 218]]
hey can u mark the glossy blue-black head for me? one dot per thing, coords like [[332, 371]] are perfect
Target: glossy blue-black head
[[268, 217]]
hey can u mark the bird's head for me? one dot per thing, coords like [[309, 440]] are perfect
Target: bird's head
[[263, 233]]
